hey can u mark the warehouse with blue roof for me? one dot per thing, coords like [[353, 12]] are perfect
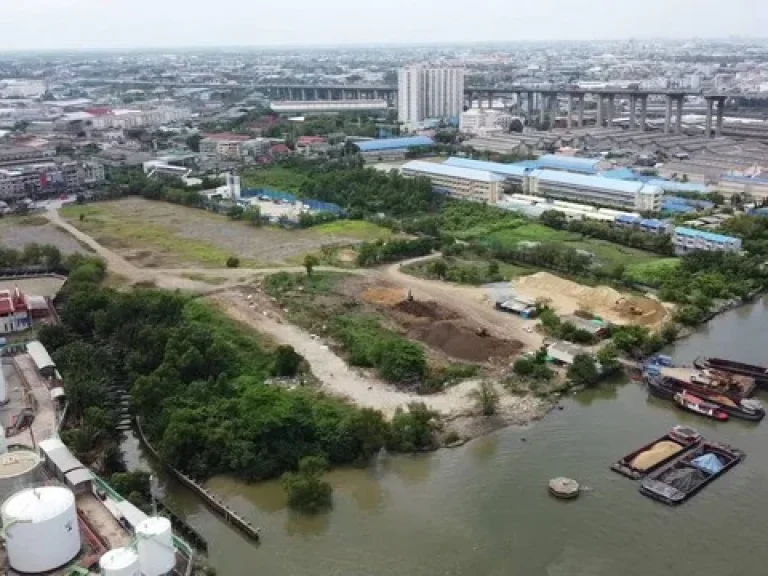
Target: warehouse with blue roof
[[514, 173], [391, 148], [466, 183], [690, 239]]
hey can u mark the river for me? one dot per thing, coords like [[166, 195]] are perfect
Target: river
[[483, 509]]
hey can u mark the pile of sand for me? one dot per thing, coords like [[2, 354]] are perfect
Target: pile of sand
[[385, 296], [655, 454]]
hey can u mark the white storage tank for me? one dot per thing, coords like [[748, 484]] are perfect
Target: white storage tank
[[19, 469], [157, 555], [41, 530], [120, 562]]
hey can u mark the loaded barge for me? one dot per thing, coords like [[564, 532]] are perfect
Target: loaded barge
[[651, 457], [683, 479], [667, 381], [758, 373]]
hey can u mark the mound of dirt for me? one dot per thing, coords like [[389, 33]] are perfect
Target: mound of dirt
[[425, 309], [385, 296], [463, 343]]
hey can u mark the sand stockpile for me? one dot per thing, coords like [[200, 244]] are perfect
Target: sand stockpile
[[608, 303], [385, 296], [658, 452]]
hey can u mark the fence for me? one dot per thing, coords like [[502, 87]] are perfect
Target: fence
[[230, 516]]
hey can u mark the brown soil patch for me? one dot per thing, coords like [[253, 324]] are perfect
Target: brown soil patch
[[425, 309], [347, 255], [385, 296], [463, 342]]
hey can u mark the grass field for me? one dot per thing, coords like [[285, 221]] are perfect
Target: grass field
[[605, 251], [163, 235], [650, 271], [358, 229], [274, 177], [18, 231]]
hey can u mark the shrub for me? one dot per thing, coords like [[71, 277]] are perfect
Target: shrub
[[233, 262]]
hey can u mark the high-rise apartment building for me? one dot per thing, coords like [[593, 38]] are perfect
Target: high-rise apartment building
[[429, 93]]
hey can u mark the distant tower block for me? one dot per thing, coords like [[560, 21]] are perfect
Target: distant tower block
[[233, 186]]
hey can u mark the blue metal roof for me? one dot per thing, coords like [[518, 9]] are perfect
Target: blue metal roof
[[652, 223], [627, 219], [710, 236], [495, 167], [670, 186], [705, 204], [569, 163], [394, 143], [620, 174], [432, 168], [676, 208], [595, 182]]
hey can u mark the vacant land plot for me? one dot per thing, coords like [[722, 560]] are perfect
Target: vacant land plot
[[162, 235], [606, 252], [18, 231], [650, 272], [42, 286], [358, 229], [274, 177]]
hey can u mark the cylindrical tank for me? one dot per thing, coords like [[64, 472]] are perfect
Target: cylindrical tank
[[120, 562], [157, 555], [41, 530], [19, 468]]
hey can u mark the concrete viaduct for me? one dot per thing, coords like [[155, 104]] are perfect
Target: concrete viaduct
[[548, 98]]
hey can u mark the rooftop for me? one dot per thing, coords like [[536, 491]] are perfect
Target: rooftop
[[557, 162], [625, 187], [709, 236], [495, 167], [394, 143], [431, 168]]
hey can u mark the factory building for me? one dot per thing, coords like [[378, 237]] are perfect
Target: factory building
[[392, 148], [512, 173], [595, 190], [688, 240], [465, 183], [571, 164]]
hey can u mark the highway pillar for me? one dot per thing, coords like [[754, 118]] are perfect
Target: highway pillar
[[530, 106], [611, 98], [708, 119], [679, 120], [553, 109], [643, 112], [542, 109], [668, 115], [720, 111], [490, 99], [581, 111], [632, 106], [569, 118], [599, 119]]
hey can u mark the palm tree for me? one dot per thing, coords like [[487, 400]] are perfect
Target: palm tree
[[486, 397]]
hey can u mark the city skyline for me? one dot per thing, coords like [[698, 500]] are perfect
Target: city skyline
[[119, 25]]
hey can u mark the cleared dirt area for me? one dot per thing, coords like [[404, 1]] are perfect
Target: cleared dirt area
[[566, 297], [18, 231], [161, 235], [43, 286], [441, 328]]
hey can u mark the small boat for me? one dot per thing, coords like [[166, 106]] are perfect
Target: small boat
[[651, 457], [696, 405], [690, 473], [746, 409], [759, 373]]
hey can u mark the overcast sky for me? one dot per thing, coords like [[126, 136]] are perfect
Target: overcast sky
[[100, 24]]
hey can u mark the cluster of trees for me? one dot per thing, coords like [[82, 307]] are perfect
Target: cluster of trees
[[365, 191], [198, 382], [753, 230], [368, 344], [252, 214], [659, 243], [45, 256], [584, 371], [381, 251], [306, 489], [413, 430], [639, 341], [563, 330], [454, 270], [534, 366]]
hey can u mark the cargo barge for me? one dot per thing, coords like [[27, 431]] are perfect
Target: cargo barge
[[747, 409], [683, 479], [759, 373], [706, 382], [652, 456]]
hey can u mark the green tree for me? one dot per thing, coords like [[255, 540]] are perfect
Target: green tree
[[233, 262], [235, 212], [412, 430], [583, 371], [401, 360], [310, 261], [439, 268], [306, 489], [287, 361], [608, 358], [254, 215], [486, 397], [193, 142]]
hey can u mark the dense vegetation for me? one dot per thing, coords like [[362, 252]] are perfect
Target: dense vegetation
[[44, 256], [380, 252], [306, 489], [198, 382]]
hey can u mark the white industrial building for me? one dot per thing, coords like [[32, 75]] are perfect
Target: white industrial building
[[464, 183], [483, 121], [425, 93], [328, 106], [586, 189]]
